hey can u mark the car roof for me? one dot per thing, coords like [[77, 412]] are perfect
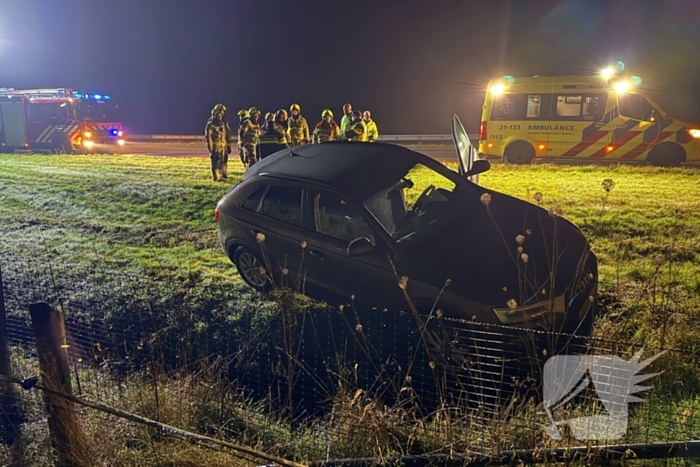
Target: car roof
[[358, 170]]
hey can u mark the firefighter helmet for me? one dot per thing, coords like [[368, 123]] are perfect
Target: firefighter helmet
[[269, 116], [253, 110], [357, 113], [294, 107], [327, 112], [243, 113], [218, 108]]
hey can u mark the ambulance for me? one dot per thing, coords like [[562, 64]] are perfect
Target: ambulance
[[600, 117], [58, 120]]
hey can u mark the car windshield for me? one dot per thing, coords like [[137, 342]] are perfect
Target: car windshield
[[412, 203]]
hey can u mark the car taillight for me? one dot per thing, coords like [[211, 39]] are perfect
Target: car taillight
[[216, 215], [482, 131]]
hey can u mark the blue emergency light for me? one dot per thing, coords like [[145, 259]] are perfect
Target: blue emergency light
[[114, 132], [97, 96]]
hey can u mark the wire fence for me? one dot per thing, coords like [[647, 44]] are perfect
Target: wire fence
[[306, 382]]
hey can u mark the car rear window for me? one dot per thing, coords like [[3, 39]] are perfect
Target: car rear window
[[283, 203], [252, 202]]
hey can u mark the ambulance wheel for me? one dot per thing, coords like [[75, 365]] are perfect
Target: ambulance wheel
[[519, 153], [61, 145], [666, 155]]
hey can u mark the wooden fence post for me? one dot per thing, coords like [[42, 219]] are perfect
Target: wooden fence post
[[12, 416], [66, 435]]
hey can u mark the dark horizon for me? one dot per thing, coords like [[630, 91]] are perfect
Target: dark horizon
[[413, 64]]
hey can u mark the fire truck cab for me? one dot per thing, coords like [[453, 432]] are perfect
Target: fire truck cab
[[57, 120]]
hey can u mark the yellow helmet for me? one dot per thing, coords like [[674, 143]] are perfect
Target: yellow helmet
[[253, 110], [243, 113], [294, 107], [327, 112], [269, 116], [218, 108]]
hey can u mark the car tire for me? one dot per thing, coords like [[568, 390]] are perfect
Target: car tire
[[519, 153], [250, 267], [666, 155], [60, 144]]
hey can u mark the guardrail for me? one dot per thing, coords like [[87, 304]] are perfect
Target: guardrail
[[387, 138]]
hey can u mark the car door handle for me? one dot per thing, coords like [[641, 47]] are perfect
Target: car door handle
[[316, 253]]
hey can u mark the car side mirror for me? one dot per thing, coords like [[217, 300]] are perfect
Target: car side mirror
[[478, 166], [359, 247]]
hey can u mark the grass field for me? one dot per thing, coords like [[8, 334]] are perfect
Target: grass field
[[154, 216]]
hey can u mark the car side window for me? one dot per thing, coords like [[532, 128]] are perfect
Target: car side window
[[283, 203], [252, 202], [337, 218]]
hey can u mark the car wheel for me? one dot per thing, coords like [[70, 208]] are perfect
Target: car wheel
[[60, 144], [251, 268], [519, 153], [666, 155]]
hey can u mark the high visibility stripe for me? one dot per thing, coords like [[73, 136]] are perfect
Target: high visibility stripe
[[590, 135], [48, 136], [593, 138], [641, 148], [43, 133], [619, 141]]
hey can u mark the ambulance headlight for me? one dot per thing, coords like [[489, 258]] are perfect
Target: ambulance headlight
[[695, 133], [497, 89]]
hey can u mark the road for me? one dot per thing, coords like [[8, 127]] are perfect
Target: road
[[197, 150], [444, 153]]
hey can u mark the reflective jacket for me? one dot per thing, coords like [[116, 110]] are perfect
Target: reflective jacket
[[326, 131], [345, 124], [372, 131], [272, 139], [217, 134], [299, 130], [249, 133], [357, 132]]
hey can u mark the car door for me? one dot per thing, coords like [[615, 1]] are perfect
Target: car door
[[466, 151], [369, 276], [279, 230], [637, 126]]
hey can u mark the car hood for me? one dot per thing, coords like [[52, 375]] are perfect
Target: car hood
[[477, 249]]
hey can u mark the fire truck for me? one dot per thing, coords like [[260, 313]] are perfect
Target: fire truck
[[59, 120]]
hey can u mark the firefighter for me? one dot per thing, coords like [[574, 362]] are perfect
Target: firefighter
[[248, 136], [372, 131], [298, 127], [345, 121], [357, 130], [218, 137], [282, 118], [242, 116], [272, 139], [326, 129]]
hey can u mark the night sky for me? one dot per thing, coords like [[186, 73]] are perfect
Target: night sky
[[413, 63]]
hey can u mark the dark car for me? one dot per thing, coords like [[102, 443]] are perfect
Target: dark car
[[377, 223]]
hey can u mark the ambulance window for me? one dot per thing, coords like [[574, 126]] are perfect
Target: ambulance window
[[568, 106], [534, 104], [509, 107], [635, 106], [594, 106]]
